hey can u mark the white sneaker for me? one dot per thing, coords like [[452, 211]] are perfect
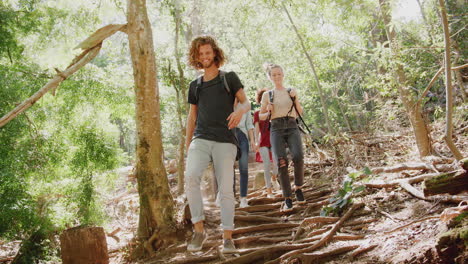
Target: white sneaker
[[275, 185], [270, 195], [243, 202]]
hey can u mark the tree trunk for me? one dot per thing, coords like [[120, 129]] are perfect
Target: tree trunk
[[413, 110], [181, 86], [156, 226], [451, 182], [84, 245], [319, 87], [448, 84]]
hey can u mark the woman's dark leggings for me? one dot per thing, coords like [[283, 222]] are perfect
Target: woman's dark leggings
[[285, 133]]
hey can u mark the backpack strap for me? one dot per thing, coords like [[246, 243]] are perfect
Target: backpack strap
[[222, 75], [293, 99]]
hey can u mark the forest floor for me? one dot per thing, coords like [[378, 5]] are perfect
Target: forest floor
[[386, 224]]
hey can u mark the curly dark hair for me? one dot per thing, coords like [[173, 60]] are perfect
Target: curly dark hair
[[259, 96], [219, 59]]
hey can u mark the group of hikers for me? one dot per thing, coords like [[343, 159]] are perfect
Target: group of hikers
[[220, 131]]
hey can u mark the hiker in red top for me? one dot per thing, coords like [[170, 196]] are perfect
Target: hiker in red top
[[283, 107], [263, 147]]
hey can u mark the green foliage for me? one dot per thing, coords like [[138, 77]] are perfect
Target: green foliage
[[13, 23], [350, 188], [96, 153]]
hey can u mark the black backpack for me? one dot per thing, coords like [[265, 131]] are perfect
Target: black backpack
[[222, 75]]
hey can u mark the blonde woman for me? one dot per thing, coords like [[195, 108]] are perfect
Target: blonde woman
[[281, 104]]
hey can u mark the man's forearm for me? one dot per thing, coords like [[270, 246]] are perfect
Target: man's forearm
[[189, 132], [251, 135], [244, 107]]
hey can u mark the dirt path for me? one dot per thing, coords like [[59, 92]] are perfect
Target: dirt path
[[387, 225]]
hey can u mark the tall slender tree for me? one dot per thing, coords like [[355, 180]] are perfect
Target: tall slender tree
[[413, 110], [323, 100], [448, 84], [156, 222]]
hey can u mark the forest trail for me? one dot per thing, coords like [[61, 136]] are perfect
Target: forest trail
[[384, 225]]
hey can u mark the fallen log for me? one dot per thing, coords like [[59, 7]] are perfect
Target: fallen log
[[406, 185], [452, 182]]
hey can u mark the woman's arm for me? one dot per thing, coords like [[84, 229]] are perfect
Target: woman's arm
[[190, 126], [294, 95]]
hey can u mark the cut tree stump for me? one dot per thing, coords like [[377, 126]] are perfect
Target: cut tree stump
[[83, 245], [452, 182]]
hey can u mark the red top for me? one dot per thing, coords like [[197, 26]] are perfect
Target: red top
[[264, 130]]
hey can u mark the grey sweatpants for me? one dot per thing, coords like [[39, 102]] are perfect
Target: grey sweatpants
[[267, 165], [201, 152]]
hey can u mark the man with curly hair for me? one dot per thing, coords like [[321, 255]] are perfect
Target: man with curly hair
[[210, 136]]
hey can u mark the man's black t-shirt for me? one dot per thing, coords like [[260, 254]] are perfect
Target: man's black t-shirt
[[215, 104]]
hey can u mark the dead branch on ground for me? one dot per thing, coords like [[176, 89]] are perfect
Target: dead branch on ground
[[308, 258], [328, 236]]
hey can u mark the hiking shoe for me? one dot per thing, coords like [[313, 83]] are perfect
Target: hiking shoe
[[243, 202], [197, 241], [229, 247], [300, 197], [287, 205], [276, 186]]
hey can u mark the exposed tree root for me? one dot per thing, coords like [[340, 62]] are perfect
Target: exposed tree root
[[416, 221], [327, 237], [196, 259], [264, 227], [260, 208], [257, 254], [313, 220], [402, 167], [308, 258], [258, 218], [362, 251], [360, 222]]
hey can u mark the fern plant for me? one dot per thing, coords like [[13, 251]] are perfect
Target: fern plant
[[344, 196]]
